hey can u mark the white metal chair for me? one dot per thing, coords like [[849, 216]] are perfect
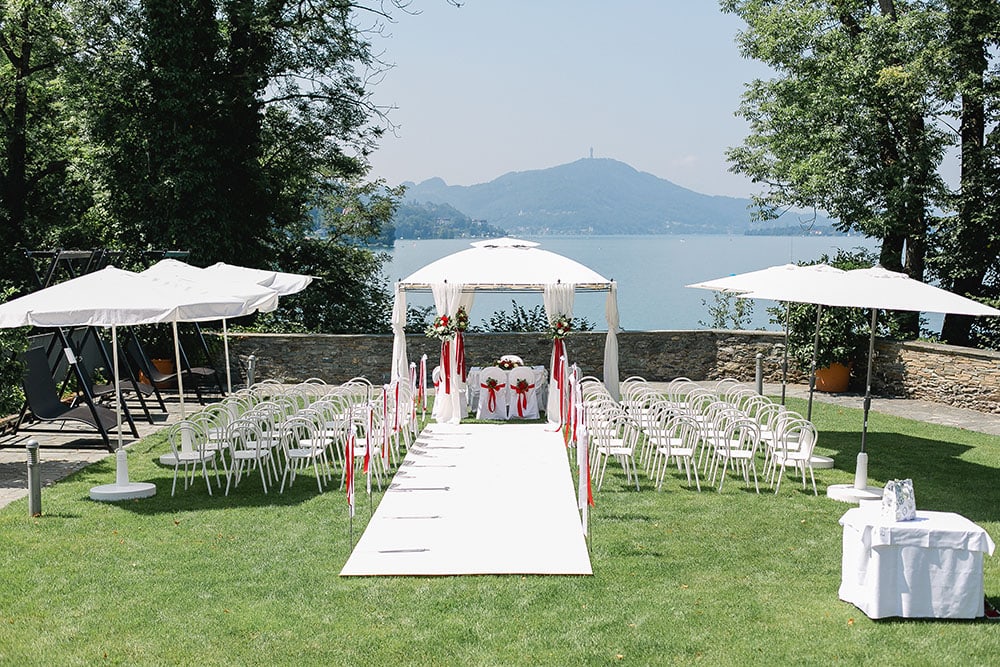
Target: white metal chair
[[248, 450], [492, 394], [795, 449], [522, 394], [616, 438], [737, 447], [304, 441], [676, 437], [188, 444]]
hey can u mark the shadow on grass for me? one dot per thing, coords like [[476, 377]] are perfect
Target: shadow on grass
[[942, 480]]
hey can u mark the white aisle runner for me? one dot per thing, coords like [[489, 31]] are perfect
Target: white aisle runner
[[476, 499]]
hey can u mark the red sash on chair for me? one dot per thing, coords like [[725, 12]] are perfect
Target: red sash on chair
[[522, 397], [491, 400]]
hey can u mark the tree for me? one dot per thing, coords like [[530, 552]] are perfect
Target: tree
[[967, 249], [844, 126], [40, 190]]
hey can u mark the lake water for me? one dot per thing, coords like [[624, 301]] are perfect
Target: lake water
[[651, 271]]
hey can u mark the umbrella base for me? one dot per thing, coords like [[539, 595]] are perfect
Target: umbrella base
[[111, 493], [848, 493], [816, 460]]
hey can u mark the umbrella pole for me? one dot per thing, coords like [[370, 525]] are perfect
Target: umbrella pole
[[861, 473], [812, 369], [225, 345], [122, 489], [784, 358], [868, 381], [180, 369]]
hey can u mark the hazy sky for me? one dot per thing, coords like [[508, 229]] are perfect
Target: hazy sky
[[512, 85]]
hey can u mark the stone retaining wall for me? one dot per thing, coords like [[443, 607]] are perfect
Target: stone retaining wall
[[958, 376]]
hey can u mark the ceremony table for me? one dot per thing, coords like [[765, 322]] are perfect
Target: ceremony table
[[541, 386], [930, 567]]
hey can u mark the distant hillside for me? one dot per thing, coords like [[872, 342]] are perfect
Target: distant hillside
[[589, 196], [419, 220]]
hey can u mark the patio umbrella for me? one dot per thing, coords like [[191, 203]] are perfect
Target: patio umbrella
[[875, 288], [781, 283], [111, 298], [283, 283], [256, 297]]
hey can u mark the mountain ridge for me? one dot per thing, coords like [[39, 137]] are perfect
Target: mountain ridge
[[589, 196]]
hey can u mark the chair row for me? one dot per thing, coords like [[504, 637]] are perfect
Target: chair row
[[716, 429], [281, 430]]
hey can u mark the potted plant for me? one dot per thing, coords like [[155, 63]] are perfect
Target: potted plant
[[843, 332]]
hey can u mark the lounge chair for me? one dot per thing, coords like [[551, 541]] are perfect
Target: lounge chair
[[42, 397], [193, 377]]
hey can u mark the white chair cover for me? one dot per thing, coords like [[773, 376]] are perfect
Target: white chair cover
[[492, 401], [522, 404]]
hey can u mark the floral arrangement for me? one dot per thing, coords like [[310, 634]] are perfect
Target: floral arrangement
[[492, 384], [522, 386], [442, 328], [461, 319], [506, 364], [561, 326], [445, 328]]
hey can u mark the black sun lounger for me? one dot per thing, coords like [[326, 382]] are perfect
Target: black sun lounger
[[42, 398]]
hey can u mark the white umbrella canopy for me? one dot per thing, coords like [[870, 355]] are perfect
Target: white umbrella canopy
[[256, 297], [283, 283], [111, 297], [114, 297], [786, 282], [876, 289], [780, 280]]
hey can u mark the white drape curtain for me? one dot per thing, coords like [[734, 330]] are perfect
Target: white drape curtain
[[400, 367], [558, 300], [611, 342], [448, 405]]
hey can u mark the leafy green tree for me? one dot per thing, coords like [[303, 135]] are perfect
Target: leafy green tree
[[844, 125], [42, 189], [966, 249], [521, 319], [728, 311]]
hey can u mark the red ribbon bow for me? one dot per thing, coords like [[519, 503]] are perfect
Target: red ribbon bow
[[522, 388], [491, 400]]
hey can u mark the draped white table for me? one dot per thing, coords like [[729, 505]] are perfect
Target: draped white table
[[541, 386], [930, 567]]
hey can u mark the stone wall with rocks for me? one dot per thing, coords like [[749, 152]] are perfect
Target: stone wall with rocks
[[654, 355], [958, 376]]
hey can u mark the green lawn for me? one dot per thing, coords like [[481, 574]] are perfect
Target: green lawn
[[679, 576]]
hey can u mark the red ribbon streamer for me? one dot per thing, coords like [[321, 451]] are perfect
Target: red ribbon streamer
[[522, 398], [460, 352], [491, 400], [446, 365]]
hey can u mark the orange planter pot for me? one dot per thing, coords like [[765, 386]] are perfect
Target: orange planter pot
[[833, 379]]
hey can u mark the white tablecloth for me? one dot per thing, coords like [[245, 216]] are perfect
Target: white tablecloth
[[931, 567], [541, 386]]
